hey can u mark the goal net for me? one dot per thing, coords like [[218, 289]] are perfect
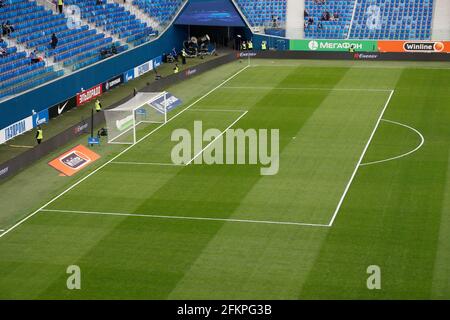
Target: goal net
[[126, 121]]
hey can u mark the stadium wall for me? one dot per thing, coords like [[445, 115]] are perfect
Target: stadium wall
[[41, 98]]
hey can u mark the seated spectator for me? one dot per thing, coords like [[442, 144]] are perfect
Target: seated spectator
[[34, 57], [3, 52], [306, 13], [336, 16], [310, 21], [113, 49], [325, 16], [7, 28], [54, 41], [99, 2]]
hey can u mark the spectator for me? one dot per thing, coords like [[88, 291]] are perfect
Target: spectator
[[1, 3], [336, 16], [54, 41], [310, 21], [3, 52], [113, 49], [319, 25], [34, 57], [306, 13], [7, 28], [99, 2]]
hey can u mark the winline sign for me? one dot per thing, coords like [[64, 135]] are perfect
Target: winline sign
[[333, 45]]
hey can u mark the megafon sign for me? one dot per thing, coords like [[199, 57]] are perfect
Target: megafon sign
[[88, 95], [333, 45]]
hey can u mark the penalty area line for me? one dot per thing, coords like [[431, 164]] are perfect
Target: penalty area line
[[153, 216]]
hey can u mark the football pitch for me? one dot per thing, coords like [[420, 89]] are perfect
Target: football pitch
[[363, 180]]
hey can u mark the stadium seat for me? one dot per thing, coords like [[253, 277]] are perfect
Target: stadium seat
[[161, 10]]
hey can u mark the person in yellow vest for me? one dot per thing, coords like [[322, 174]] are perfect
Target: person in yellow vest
[[352, 49], [244, 45], [39, 135], [98, 106], [250, 45], [263, 45], [176, 69], [60, 6], [183, 56]]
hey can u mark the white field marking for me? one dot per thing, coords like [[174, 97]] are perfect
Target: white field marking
[[20, 146], [118, 155], [1, 230], [347, 187], [312, 88], [218, 110], [221, 134], [186, 218], [348, 66], [149, 163], [422, 141]]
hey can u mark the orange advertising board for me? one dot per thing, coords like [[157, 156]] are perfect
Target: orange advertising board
[[414, 46], [74, 160]]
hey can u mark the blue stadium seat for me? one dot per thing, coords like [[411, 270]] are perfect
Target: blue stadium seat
[[260, 13], [161, 10], [395, 19]]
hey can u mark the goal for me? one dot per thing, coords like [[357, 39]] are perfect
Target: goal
[[126, 121]]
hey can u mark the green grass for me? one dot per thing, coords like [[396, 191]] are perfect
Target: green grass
[[394, 215]]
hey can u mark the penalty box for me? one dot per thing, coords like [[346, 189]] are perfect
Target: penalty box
[[163, 184]]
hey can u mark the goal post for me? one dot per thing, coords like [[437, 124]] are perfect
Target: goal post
[[125, 121]]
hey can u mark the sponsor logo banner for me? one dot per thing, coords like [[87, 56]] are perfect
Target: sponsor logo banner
[[190, 72], [143, 68], [246, 54], [170, 102], [125, 123], [128, 76], [40, 118], [333, 45], [157, 62], [112, 83], [74, 160], [16, 129], [81, 128], [88, 95], [365, 56], [60, 108], [4, 171], [414, 46]]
